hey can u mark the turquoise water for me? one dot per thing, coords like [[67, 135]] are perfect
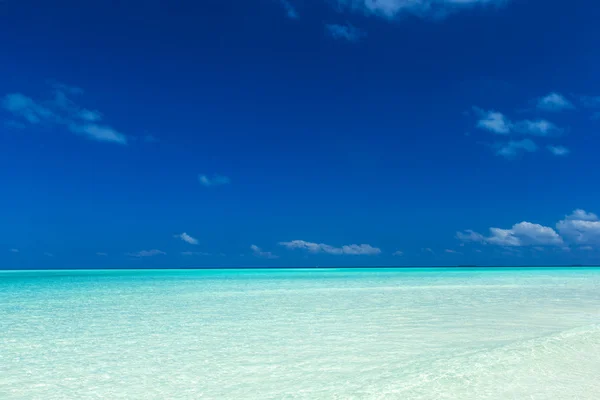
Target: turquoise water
[[301, 334]]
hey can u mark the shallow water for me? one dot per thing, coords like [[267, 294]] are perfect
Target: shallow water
[[301, 334]]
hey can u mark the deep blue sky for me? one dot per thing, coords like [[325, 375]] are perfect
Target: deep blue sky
[[299, 128]]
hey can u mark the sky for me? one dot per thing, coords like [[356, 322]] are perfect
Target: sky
[[280, 133]]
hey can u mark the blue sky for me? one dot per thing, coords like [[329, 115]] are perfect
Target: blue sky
[[296, 133]]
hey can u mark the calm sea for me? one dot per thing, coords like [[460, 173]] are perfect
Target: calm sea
[[301, 334]]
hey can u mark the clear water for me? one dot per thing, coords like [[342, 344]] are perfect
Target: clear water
[[301, 334]]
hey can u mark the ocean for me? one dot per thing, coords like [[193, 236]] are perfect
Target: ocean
[[439, 333]]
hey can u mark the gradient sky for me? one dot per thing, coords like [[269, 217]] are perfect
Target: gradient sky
[[299, 133]]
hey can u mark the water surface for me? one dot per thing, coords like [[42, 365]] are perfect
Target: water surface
[[301, 334]]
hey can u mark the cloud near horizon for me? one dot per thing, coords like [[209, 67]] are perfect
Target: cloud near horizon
[[521, 234], [147, 253], [194, 253], [258, 252], [578, 228], [187, 238], [352, 249], [61, 111]]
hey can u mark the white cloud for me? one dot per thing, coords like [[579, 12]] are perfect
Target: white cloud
[[26, 108], [289, 9], [580, 227], [48, 254], [147, 253], [498, 123], [14, 250], [493, 121], [581, 215], [554, 102], [258, 252], [521, 234], [558, 150], [393, 9], [101, 254], [216, 180], [352, 249], [345, 32], [97, 132], [194, 253], [398, 253], [187, 238], [89, 115], [449, 251], [528, 234], [540, 127], [61, 111], [515, 147], [470, 236], [427, 250]]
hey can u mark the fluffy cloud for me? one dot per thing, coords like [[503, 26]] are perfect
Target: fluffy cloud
[[493, 121], [258, 252], [498, 123], [515, 147], [14, 250], [344, 32], [580, 227], [352, 249], [540, 127], [558, 150], [216, 180], [393, 9], [24, 107], [187, 238], [62, 111], [398, 253], [147, 253], [554, 102], [521, 234]]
